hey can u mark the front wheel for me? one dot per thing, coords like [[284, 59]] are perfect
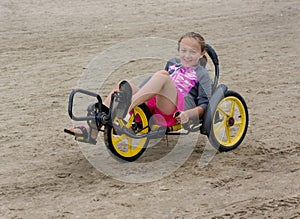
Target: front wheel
[[123, 146], [229, 122]]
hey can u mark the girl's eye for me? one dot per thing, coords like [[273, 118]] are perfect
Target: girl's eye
[[192, 52]]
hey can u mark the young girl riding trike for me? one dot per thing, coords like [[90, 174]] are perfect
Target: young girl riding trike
[[180, 97]]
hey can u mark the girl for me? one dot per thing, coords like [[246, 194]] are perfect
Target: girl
[[184, 86]]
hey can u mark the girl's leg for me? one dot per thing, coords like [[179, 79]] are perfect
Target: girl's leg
[[161, 86]]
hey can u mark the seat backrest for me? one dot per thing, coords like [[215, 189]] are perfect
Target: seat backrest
[[214, 57]]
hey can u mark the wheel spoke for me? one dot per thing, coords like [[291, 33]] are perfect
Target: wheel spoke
[[238, 123], [227, 129], [129, 145], [220, 126], [119, 138], [127, 124], [222, 112], [232, 109], [141, 132]]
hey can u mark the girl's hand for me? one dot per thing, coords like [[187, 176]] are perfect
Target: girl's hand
[[181, 117]]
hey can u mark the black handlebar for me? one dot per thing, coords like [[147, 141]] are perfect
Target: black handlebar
[[70, 107]]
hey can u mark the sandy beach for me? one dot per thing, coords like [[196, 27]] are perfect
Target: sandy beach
[[47, 45]]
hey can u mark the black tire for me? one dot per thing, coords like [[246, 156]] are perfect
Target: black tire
[[117, 145], [229, 122]]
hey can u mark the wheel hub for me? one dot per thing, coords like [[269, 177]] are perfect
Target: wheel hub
[[231, 121]]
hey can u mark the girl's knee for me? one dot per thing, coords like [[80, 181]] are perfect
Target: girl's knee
[[162, 73]]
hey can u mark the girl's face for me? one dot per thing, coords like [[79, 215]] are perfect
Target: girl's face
[[189, 52]]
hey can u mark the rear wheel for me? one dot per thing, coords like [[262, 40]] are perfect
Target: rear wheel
[[229, 122], [123, 146]]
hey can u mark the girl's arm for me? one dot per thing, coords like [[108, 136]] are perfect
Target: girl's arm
[[186, 116]]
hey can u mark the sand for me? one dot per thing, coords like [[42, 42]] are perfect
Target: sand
[[47, 45]]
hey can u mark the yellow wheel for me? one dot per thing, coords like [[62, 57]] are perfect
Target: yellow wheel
[[229, 122], [123, 146]]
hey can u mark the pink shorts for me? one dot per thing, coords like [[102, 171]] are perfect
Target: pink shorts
[[164, 119]]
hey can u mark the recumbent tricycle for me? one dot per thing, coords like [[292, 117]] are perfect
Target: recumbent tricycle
[[225, 122]]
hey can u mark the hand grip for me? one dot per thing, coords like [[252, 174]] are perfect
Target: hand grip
[[185, 125]]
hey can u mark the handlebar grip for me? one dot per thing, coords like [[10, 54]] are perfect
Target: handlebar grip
[[177, 113], [185, 125]]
